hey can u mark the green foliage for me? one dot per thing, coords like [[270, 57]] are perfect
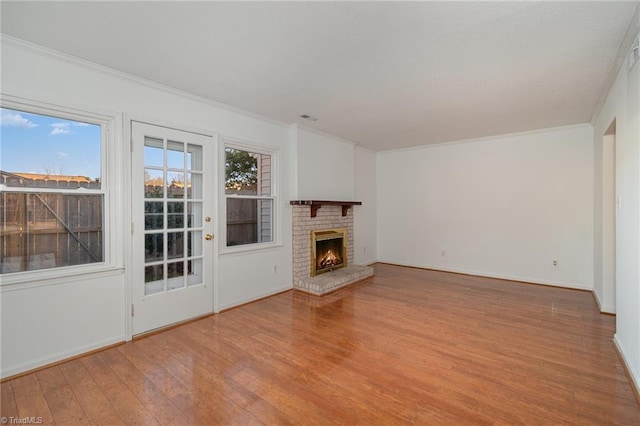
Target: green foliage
[[241, 169]]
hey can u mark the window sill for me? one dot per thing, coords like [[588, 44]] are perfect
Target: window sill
[[249, 248], [49, 277]]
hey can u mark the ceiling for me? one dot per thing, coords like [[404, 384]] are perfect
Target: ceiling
[[383, 74]]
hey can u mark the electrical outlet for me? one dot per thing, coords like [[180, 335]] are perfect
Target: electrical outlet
[[443, 253], [555, 263], [275, 269]]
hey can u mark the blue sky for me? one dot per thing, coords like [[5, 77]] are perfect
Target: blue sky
[[33, 143]]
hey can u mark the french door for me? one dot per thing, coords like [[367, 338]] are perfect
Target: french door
[[172, 245]]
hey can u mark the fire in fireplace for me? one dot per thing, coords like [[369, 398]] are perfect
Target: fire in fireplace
[[328, 250]]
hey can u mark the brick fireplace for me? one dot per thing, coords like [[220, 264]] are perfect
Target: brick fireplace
[[322, 218]]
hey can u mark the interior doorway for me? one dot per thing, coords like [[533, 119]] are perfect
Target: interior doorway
[[609, 212]]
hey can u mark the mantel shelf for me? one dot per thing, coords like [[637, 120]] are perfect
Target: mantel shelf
[[316, 204]]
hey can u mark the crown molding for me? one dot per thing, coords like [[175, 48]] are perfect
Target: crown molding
[[74, 60], [326, 135], [364, 149], [491, 138], [621, 60]]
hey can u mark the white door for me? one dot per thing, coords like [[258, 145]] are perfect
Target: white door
[[172, 228]]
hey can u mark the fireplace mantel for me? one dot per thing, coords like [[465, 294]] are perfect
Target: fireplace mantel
[[316, 204]]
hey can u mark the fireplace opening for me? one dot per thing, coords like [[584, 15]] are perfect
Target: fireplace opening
[[328, 250]]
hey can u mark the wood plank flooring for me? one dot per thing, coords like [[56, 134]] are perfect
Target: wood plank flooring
[[408, 346]]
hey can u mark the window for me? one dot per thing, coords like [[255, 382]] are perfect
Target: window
[[249, 192], [53, 197]]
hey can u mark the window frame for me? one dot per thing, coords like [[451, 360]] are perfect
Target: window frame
[[110, 262], [273, 152]]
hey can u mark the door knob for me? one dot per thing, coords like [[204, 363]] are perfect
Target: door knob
[[208, 237]]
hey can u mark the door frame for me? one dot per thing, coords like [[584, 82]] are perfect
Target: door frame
[[127, 194]]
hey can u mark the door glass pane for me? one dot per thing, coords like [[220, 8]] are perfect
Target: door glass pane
[[153, 273], [175, 155], [194, 272], [194, 218], [154, 279], [195, 186], [194, 157], [195, 243], [175, 245], [175, 275], [153, 183], [175, 185], [153, 152], [153, 244], [175, 214], [153, 215]]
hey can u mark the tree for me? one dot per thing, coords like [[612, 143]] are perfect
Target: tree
[[241, 170]]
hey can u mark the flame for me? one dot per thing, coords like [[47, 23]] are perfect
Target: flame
[[329, 259]]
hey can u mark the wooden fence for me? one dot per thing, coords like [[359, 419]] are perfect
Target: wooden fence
[[242, 221], [45, 230]]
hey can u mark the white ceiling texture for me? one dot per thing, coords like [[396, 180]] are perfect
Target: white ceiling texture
[[383, 74]]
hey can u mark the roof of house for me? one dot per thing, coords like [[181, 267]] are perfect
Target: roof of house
[[37, 176]]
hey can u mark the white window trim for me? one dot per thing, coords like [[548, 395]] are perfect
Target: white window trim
[[274, 152], [110, 182]]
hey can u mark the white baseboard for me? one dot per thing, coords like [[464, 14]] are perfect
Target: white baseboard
[[635, 378], [485, 274], [47, 360], [254, 298], [605, 309]]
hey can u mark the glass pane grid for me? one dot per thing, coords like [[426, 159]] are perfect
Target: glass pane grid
[[168, 183]]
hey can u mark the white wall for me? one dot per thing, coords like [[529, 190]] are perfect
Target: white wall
[[45, 324], [623, 105], [325, 167], [504, 207], [364, 216], [329, 168], [604, 222]]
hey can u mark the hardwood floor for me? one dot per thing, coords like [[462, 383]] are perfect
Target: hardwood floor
[[408, 346]]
